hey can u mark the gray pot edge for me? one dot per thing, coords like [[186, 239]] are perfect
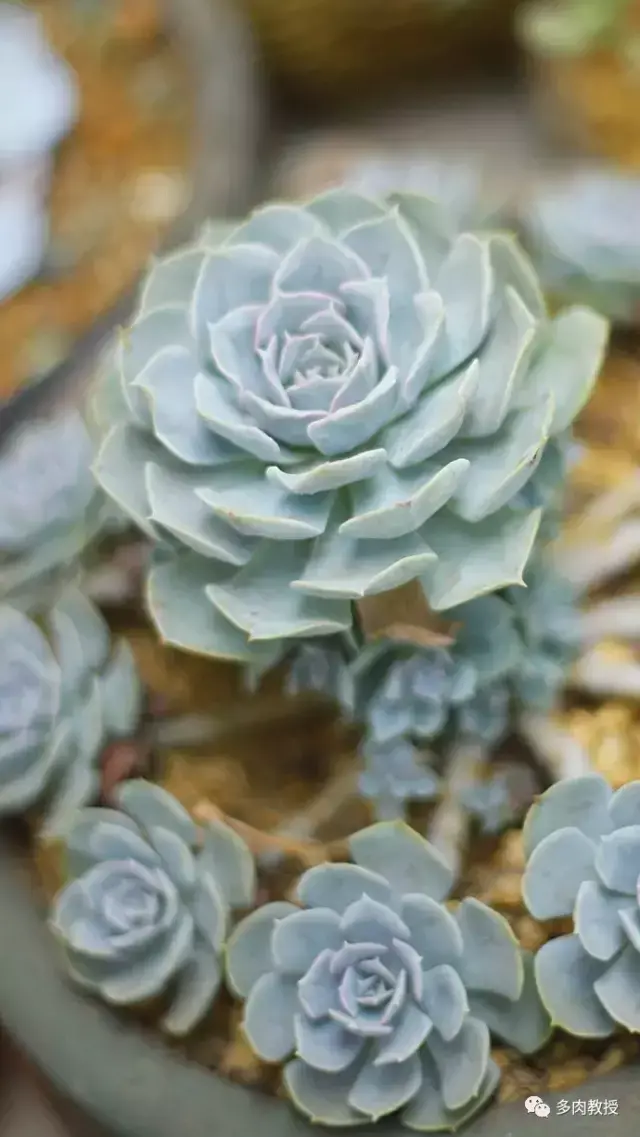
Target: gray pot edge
[[134, 1086]]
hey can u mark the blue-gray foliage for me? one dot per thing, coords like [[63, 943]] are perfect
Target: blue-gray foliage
[[582, 844], [65, 691], [51, 508], [331, 400], [582, 233], [376, 996], [149, 902]]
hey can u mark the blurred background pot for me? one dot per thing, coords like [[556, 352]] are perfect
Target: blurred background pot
[[139, 138], [591, 102], [334, 52], [224, 133]]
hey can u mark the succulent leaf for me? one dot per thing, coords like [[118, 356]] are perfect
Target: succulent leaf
[[51, 510], [277, 389], [582, 234], [588, 981], [366, 984], [58, 685], [511, 652], [143, 908]]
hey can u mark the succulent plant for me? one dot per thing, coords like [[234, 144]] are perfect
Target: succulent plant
[[50, 506], [512, 653], [547, 619], [588, 980], [409, 698], [322, 667], [489, 800], [331, 401], [148, 902], [38, 105], [384, 996], [394, 775], [457, 187], [64, 692], [582, 233]]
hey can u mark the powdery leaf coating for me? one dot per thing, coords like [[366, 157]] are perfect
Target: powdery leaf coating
[[148, 902], [366, 991], [340, 398], [65, 691], [589, 981]]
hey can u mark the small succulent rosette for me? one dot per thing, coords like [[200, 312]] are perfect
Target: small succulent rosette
[[378, 998], [511, 654], [322, 666], [331, 400], [583, 236], [582, 846], [490, 800], [148, 905], [65, 691], [38, 106], [51, 508], [409, 699]]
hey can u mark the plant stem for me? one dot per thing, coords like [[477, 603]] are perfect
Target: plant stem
[[197, 729], [322, 808], [264, 846], [561, 755], [449, 827]]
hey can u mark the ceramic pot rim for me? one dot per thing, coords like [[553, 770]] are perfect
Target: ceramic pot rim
[[134, 1086]]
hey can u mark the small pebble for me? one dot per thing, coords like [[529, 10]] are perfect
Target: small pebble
[[158, 196]]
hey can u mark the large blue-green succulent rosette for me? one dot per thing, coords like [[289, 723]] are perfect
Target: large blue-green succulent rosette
[[329, 401], [376, 996], [582, 844]]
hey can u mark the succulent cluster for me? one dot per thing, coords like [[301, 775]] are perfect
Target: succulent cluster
[[582, 233], [148, 902], [589, 980], [376, 996], [38, 105], [65, 691], [50, 506], [511, 654], [322, 404], [327, 402]]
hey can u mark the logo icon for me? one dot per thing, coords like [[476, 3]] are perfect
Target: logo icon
[[537, 1106]]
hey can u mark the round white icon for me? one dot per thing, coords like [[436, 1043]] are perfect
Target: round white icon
[[532, 1103], [542, 1110]]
